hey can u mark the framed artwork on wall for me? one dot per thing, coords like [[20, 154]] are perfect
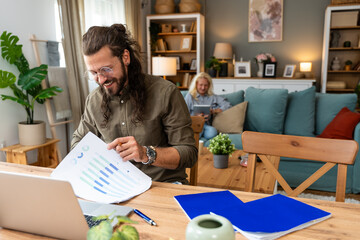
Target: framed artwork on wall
[[265, 20], [289, 71], [269, 69], [242, 69]]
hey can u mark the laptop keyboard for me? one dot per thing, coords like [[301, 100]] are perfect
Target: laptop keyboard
[[91, 222]]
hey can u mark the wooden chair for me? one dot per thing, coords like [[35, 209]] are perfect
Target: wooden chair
[[331, 151], [197, 126]]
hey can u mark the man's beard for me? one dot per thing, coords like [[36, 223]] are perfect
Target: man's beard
[[120, 82]]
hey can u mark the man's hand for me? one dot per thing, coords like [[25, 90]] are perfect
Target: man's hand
[[128, 148]]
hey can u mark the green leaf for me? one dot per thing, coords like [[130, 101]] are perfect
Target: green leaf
[[126, 233], [22, 64], [10, 51], [6, 79], [124, 219], [18, 93], [33, 77], [103, 231], [48, 92], [18, 100]]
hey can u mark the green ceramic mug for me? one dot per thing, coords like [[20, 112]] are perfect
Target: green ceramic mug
[[209, 226]]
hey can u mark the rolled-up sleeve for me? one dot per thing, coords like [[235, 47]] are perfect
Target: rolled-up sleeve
[[177, 125]]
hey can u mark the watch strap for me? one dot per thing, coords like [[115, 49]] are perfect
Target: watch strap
[[151, 154]]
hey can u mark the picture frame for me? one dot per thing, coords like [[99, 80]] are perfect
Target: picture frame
[[242, 69], [265, 27], [193, 64], [269, 70], [289, 70], [186, 42], [178, 61]]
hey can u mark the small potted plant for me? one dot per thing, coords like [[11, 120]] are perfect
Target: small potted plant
[[26, 88], [213, 66], [348, 64], [105, 230], [221, 147]]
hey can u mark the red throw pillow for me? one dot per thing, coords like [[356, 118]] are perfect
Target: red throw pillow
[[342, 126]]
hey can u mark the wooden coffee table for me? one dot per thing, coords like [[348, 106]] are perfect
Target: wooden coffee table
[[234, 176]]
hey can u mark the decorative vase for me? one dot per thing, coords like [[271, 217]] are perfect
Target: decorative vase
[[260, 72], [221, 161], [209, 226], [32, 134], [335, 64]]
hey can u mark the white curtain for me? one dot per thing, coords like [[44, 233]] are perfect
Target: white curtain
[[75, 67]]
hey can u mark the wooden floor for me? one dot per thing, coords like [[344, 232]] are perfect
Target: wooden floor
[[232, 177]]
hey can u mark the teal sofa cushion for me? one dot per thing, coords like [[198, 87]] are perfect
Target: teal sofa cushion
[[328, 105], [300, 113], [235, 97], [184, 92], [266, 110]]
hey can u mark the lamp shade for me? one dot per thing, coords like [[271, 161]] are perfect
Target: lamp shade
[[223, 51], [305, 67], [164, 66]]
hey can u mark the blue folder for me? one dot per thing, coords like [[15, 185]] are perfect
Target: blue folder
[[204, 203], [276, 213]]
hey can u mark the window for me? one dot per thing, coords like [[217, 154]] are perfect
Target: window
[[103, 12]]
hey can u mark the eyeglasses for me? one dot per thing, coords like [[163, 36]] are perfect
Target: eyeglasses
[[104, 72]]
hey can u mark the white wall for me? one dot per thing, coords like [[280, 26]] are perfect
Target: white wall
[[23, 18]]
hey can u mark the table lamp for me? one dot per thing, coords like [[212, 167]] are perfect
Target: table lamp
[[223, 51], [164, 66], [305, 68]]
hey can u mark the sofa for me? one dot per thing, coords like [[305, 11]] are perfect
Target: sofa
[[302, 113]]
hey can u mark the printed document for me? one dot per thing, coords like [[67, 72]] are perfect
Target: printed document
[[100, 175]]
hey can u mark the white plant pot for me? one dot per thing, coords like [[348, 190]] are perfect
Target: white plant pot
[[32, 134]]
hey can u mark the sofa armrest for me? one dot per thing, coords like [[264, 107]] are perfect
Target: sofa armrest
[[356, 172]]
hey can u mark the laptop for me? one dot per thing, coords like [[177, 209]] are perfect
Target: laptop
[[47, 206]]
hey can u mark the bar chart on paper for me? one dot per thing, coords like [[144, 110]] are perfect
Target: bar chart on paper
[[98, 174]]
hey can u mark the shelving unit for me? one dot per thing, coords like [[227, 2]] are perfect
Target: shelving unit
[[173, 42], [347, 33]]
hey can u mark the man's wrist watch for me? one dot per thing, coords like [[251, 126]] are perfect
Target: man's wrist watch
[[151, 154]]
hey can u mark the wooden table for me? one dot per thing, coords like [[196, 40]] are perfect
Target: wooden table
[[159, 204], [234, 176]]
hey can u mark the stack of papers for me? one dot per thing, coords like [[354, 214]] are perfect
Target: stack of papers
[[267, 218], [100, 175]]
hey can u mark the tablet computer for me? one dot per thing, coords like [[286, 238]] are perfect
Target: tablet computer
[[205, 109]]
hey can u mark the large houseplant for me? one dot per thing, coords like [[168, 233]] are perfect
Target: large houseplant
[[27, 88]]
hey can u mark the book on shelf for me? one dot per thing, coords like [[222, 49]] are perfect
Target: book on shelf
[[160, 44]]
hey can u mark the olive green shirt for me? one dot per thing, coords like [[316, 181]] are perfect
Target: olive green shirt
[[166, 123]]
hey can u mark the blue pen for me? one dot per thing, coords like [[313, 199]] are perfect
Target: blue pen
[[146, 218]]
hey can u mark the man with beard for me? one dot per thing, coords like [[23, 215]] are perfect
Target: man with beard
[[144, 118]]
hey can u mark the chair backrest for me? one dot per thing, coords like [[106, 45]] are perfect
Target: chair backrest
[[331, 151], [197, 126]]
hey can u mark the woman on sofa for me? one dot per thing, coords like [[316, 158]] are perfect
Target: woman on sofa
[[201, 93]]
